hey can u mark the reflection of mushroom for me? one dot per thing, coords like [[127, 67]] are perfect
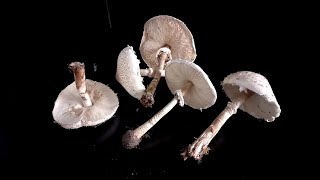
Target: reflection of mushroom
[[248, 91], [164, 38], [84, 102], [190, 85]]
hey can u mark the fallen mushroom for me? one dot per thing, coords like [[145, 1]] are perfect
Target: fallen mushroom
[[84, 102], [189, 84], [164, 38], [248, 91], [129, 74]]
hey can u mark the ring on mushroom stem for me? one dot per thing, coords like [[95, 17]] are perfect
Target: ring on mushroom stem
[[189, 84], [248, 91], [84, 102], [164, 38], [150, 73]]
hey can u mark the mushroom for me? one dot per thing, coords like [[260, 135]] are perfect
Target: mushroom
[[84, 102], [248, 91], [164, 38], [129, 74], [189, 84]]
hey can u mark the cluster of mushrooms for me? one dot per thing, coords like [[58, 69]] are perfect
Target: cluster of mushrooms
[[168, 49]]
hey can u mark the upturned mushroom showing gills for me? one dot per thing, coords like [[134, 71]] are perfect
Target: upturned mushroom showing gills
[[248, 91], [84, 102], [189, 84], [164, 38]]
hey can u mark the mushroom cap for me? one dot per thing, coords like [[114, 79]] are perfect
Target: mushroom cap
[[262, 104], [69, 112], [128, 72], [166, 30], [202, 93]]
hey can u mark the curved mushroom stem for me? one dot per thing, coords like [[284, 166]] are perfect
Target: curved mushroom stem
[[132, 138], [200, 146], [164, 55], [150, 72], [80, 79]]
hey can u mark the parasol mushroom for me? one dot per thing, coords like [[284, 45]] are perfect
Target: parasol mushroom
[[189, 84], [248, 91], [164, 38], [84, 102], [129, 74]]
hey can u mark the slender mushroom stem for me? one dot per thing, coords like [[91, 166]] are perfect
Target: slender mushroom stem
[[164, 55], [132, 138], [80, 80], [150, 72], [200, 146]]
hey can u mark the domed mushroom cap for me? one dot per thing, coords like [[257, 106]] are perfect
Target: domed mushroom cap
[[128, 72], [163, 30], [69, 112], [202, 93], [262, 104]]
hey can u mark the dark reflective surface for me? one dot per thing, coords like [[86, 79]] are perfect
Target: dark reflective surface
[[228, 38]]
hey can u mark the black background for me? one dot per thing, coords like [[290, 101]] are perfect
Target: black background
[[228, 37]]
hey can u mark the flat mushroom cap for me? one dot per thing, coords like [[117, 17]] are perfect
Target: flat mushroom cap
[[262, 104], [69, 112], [128, 72], [202, 93], [166, 30]]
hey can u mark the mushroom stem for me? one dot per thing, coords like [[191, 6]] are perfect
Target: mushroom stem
[[80, 80], [132, 138], [200, 146], [163, 56], [150, 72]]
